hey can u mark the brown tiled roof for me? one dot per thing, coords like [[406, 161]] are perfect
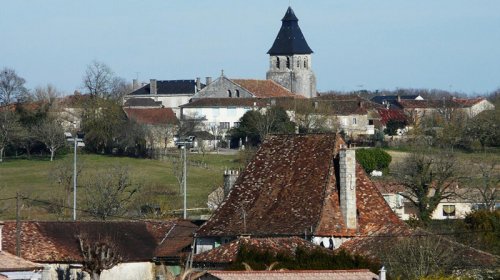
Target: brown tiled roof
[[154, 116], [173, 242], [226, 102], [357, 274], [372, 247], [468, 102], [227, 253], [428, 104], [391, 114], [9, 262], [48, 242], [265, 88], [290, 186]]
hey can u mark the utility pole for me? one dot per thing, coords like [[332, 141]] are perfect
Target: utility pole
[[184, 171], [75, 140], [18, 225]]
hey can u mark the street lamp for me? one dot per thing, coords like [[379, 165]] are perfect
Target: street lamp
[[77, 140]]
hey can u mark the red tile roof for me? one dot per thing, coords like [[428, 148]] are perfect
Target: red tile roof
[[226, 102], [265, 88], [173, 242], [153, 116], [228, 253], [391, 114], [9, 262], [468, 102], [355, 274], [290, 186], [55, 242]]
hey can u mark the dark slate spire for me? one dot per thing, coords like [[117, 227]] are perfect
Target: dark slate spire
[[290, 39]]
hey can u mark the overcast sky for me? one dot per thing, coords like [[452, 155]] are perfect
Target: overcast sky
[[357, 44]]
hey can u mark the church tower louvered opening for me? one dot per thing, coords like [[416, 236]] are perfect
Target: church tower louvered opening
[[290, 58]]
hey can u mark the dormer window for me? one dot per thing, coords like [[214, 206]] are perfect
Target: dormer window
[[229, 94], [288, 62], [278, 62], [237, 93]]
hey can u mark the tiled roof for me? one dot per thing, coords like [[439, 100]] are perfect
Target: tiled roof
[[468, 102], [226, 102], [357, 274], [174, 241], [290, 39], [142, 102], [155, 116], [372, 246], [9, 262], [49, 242], [429, 104], [169, 87], [391, 114], [265, 88], [290, 186], [228, 253], [391, 98]]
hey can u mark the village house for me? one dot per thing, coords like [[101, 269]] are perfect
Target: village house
[[160, 123], [142, 250], [167, 93], [355, 274], [300, 185]]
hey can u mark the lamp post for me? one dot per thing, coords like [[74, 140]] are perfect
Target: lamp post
[[77, 140]]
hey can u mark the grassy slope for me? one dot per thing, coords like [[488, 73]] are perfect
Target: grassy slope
[[31, 177]]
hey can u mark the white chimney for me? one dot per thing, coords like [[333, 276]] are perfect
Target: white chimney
[[135, 84], [1, 226], [198, 84], [382, 273], [230, 177], [208, 80], [153, 89], [347, 164]]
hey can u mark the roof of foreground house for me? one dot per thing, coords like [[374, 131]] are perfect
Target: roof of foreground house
[[153, 116], [391, 114], [9, 262], [225, 102], [355, 274], [228, 253], [290, 187], [57, 242]]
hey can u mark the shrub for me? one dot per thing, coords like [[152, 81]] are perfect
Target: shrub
[[373, 159]]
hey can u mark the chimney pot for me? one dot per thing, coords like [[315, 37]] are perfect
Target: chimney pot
[[208, 80], [198, 84], [153, 89]]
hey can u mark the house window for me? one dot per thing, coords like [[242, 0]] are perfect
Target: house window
[[449, 210], [229, 93], [353, 120], [298, 62], [236, 124], [224, 125], [278, 62], [370, 122], [305, 63], [288, 62], [237, 93]]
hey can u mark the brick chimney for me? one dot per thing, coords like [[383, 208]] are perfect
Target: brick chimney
[[230, 177], [347, 164], [153, 89]]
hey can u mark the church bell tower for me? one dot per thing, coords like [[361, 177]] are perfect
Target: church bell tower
[[290, 58]]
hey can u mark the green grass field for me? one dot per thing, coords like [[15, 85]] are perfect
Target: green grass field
[[158, 184]]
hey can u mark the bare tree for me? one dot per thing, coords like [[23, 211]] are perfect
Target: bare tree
[[48, 93], [62, 175], [108, 192], [428, 179], [98, 255], [98, 79], [487, 186], [11, 87], [51, 133], [10, 128]]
